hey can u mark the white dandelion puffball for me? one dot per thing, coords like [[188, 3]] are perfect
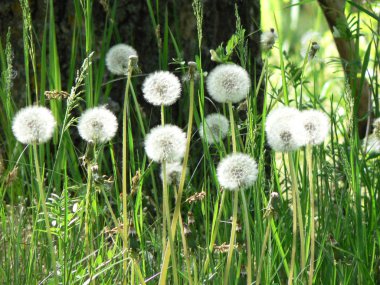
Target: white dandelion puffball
[[373, 144], [117, 58], [173, 173], [228, 83], [161, 88], [97, 125], [215, 128], [316, 124], [237, 171], [165, 143], [284, 129], [268, 39], [33, 124]]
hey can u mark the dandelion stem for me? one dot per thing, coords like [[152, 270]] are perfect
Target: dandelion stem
[[294, 231], [166, 216], [232, 122], [261, 260], [232, 239], [43, 203], [125, 174], [177, 209], [309, 157]]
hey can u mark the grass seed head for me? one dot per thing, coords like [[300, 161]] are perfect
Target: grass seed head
[[161, 88], [33, 124], [97, 125], [117, 58], [215, 128], [237, 171], [228, 83], [165, 143]]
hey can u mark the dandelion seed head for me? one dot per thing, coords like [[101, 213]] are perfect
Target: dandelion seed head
[[173, 173], [33, 124], [316, 125], [165, 143], [215, 128], [97, 125], [284, 130], [161, 88], [268, 39], [228, 83], [117, 58], [237, 171]]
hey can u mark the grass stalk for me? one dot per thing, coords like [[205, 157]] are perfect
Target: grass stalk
[[294, 230], [261, 260], [46, 216], [309, 158], [125, 173]]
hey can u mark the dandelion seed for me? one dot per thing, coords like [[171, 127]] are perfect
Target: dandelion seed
[[173, 173], [215, 128], [316, 125], [165, 143], [228, 83], [117, 58], [161, 88], [268, 39], [373, 141], [309, 36], [33, 124], [97, 125], [284, 130], [237, 171]]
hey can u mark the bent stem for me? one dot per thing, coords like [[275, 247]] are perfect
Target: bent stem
[[261, 260], [309, 158], [125, 174], [177, 209], [44, 208], [294, 203], [232, 239]]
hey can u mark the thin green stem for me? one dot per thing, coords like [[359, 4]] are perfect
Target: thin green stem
[[294, 231], [232, 122], [46, 217], [213, 233], [125, 174], [232, 239], [309, 157], [247, 237], [261, 260]]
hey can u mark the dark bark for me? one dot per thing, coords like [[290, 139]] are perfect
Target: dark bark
[[334, 12]]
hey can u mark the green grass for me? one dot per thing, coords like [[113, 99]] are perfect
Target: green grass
[[344, 178]]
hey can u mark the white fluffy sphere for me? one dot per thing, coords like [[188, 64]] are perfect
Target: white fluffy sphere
[[316, 125], [117, 58], [237, 171], [33, 124], [173, 173], [161, 88], [268, 39], [165, 143], [228, 83], [215, 128], [284, 129], [97, 125]]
